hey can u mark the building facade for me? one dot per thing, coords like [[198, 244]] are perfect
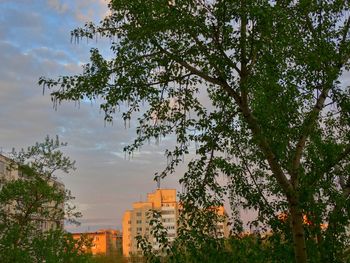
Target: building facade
[[222, 227], [106, 242], [136, 221]]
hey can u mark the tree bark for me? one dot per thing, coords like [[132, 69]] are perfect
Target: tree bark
[[297, 231]]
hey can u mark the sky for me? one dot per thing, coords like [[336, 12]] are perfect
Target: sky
[[35, 41]]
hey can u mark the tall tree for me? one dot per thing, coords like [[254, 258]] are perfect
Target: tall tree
[[252, 87], [33, 206]]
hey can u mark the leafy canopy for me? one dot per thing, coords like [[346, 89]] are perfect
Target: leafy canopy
[[253, 88]]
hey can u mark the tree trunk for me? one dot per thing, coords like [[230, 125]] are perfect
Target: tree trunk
[[298, 232]]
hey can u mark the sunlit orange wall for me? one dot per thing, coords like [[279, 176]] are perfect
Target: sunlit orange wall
[[126, 233], [154, 200], [99, 241]]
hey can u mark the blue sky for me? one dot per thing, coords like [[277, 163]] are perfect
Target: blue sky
[[35, 41]]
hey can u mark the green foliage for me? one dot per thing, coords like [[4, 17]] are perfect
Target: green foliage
[[253, 88], [241, 249], [109, 259], [59, 246], [34, 205]]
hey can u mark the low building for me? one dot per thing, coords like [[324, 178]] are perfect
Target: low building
[[106, 242]]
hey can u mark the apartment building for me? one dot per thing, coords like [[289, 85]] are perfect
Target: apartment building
[[106, 242], [136, 221], [9, 171], [223, 230]]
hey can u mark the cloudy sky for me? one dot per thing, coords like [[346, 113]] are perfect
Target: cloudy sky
[[35, 41]]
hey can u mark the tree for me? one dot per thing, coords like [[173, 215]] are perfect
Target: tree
[[253, 88], [34, 205]]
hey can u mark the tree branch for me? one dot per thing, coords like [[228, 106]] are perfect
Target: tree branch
[[169, 80], [251, 120], [190, 68], [268, 152], [313, 115], [222, 52], [345, 33], [256, 185], [306, 130]]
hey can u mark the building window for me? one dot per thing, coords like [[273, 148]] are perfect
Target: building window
[[138, 221], [129, 222], [168, 212], [139, 229], [138, 214], [168, 220]]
